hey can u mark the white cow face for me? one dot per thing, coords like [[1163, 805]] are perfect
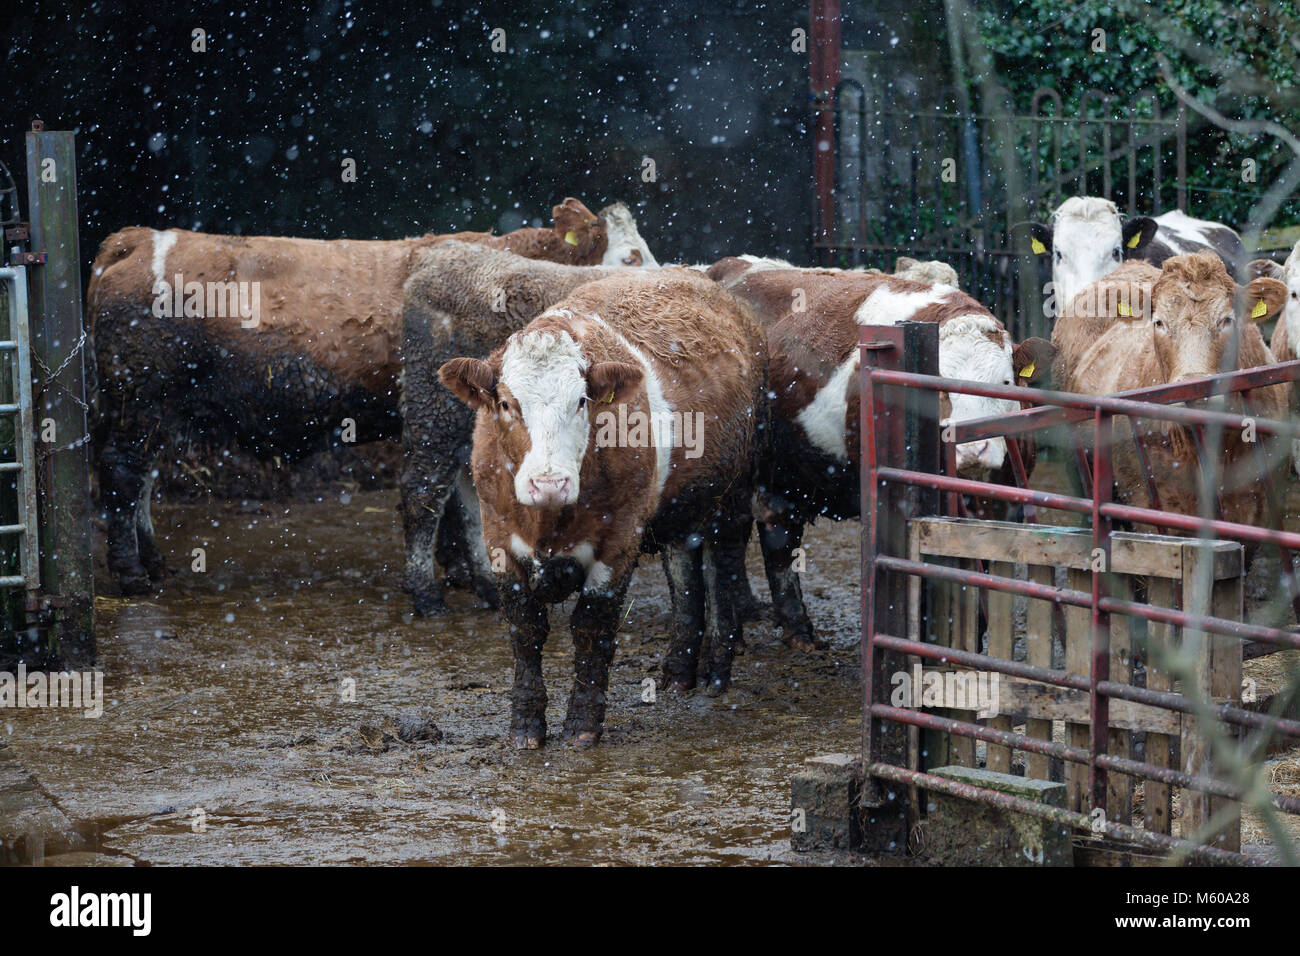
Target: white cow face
[[1290, 274], [976, 348], [539, 407], [544, 384], [1087, 240], [626, 247]]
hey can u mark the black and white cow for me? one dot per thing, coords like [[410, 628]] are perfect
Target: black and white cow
[[1087, 238]]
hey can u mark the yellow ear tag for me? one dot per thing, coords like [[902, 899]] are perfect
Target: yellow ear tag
[[1027, 371], [1125, 309], [571, 237], [610, 400], [1259, 310], [1133, 243], [1038, 247]]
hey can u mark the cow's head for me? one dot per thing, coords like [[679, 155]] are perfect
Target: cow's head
[[1289, 275], [537, 394], [930, 271], [1087, 239], [1198, 315], [977, 348], [626, 247], [578, 226]]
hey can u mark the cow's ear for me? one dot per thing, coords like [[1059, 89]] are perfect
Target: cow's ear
[[1040, 238], [1264, 267], [472, 380], [609, 382], [1262, 299], [574, 221], [1032, 359], [1137, 235]]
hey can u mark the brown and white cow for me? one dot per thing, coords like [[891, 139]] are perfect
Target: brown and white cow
[[1199, 323], [1286, 333], [273, 342], [624, 419], [1088, 239], [813, 320]]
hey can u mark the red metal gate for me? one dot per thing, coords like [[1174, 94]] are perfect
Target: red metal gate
[[901, 482]]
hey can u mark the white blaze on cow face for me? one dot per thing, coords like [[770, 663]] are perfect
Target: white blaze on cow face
[[626, 247], [546, 373], [1087, 243], [1291, 315], [968, 350]]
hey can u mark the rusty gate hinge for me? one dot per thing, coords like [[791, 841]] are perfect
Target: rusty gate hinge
[[27, 259], [18, 232]]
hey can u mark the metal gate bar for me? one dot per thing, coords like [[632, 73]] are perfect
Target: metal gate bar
[[888, 432], [17, 350]]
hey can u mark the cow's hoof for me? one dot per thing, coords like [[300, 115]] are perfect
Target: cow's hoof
[[717, 687], [135, 583], [488, 595], [526, 741], [750, 608], [588, 738], [804, 643], [429, 605]]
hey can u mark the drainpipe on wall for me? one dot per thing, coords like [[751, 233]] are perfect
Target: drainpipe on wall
[[824, 70]]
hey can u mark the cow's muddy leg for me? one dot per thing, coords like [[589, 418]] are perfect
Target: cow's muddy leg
[[150, 555], [779, 543], [426, 490], [594, 625], [484, 579], [526, 617], [748, 606], [450, 549], [684, 568], [721, 617], [730, 557], [460, 548], [122, 479]]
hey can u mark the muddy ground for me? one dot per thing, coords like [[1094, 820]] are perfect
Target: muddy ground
[[225, 739]]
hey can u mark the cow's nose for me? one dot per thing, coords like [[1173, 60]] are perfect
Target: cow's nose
[[549, 490], [985, 454]]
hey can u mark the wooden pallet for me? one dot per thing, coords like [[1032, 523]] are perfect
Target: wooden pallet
[[1199, 577]]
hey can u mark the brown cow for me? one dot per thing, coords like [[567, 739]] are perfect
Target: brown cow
[[813, 320], [461, 299], [278, 343], [1199, 323], [624, 419], [1124, 293]]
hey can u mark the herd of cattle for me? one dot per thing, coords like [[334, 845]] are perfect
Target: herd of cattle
[[566, 404]]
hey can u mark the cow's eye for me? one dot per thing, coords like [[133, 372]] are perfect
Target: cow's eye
[[1159, 324], [1295, 295], [1058, 255], [582, 403], [504, 406], [1225, 321], [1117, 253]]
